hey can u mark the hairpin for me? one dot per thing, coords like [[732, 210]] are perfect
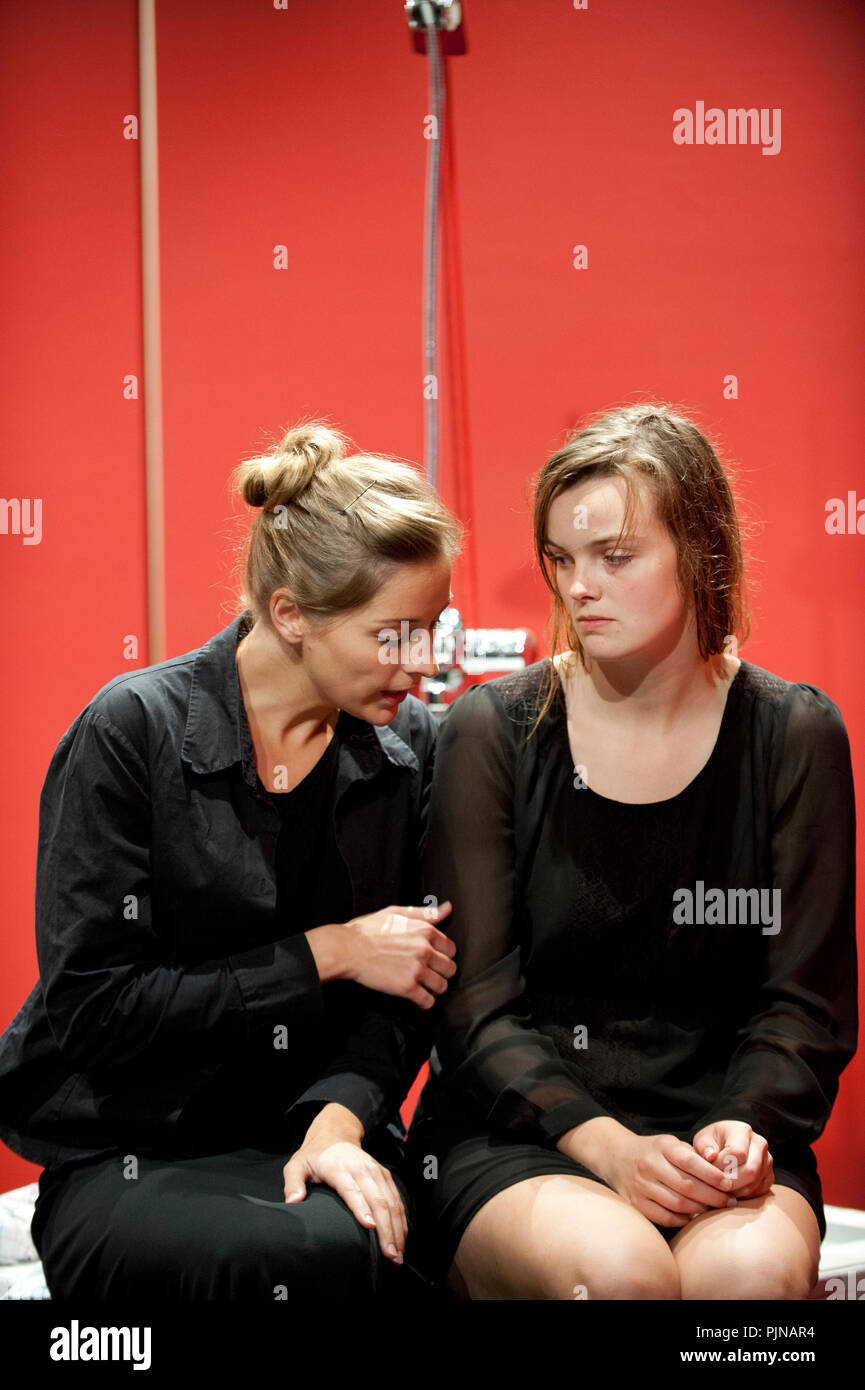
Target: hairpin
[[344, 510]]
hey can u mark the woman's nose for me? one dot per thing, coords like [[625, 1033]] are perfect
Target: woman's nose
[[426, 664], [581, 584]]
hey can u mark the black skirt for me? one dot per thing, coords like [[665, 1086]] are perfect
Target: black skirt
[[454, 1169]]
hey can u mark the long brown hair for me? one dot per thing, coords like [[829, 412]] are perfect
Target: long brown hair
[[694, 500]]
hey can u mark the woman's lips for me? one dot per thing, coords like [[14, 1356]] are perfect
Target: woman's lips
[[396, 695], [593, 622]]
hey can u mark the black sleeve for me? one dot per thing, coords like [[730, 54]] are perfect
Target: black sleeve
[[801, 1031], [373, 1074], [111, 992], [500, 1067]]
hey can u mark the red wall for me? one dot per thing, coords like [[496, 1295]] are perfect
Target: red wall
[[303, 126]]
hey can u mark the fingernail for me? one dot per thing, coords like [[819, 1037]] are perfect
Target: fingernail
[[727, 1183], [392, 1250], [732, 1202]]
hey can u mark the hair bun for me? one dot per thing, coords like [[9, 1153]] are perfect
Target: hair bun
[[280, 476]]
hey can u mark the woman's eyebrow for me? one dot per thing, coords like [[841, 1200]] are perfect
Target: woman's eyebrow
[[615, 538], [385, 622]]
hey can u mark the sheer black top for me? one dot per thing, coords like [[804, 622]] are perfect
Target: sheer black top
[[666, 964]]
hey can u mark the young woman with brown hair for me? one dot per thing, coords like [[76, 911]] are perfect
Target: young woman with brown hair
[[649, 848]]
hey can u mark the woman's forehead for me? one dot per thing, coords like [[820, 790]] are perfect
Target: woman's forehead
[[602, 500]]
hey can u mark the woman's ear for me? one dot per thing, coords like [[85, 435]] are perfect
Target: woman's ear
[[286, 617]]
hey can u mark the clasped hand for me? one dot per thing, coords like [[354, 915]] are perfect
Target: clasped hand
[[669, 1180]]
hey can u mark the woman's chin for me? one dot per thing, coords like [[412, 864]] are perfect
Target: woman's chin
[[375, 710]]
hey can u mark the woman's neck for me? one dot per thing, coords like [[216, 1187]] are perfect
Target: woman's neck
[[652, 698], [277, 694]]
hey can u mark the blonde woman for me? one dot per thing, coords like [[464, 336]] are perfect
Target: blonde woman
[[235, 971], [648, 843]]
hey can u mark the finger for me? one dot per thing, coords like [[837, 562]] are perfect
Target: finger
[[690, 1189], [733, 1158], [431, 980], [430, 915], [349, 1190], [684, 1202], [737, 1140], [746, 1196], [686, 1158], [442, 965], [439, 942], [379, 1203], [435, 914], [294, 1176], [396, 1206], [397, 1216], [422, 914], [421, 997], [750, 1169], [758, 1189], [707, 1143], [397, 1203], [755, 1171], [660, 1215], [732, 1136], [370, 1178]]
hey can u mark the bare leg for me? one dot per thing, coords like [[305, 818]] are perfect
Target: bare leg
[[562, 1237], [764, 1248]]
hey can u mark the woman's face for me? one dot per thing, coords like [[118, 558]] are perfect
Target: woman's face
[[624, 600], [386, 646]]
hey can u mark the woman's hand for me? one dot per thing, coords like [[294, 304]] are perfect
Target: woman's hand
[[397, 950], [733, 1147], [331, 1153], [666, 1179]]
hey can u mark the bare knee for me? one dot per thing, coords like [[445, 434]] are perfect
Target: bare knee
[[561, 1237], [630, 1273], [767, 1249], [621, 1274], [754, 1277]]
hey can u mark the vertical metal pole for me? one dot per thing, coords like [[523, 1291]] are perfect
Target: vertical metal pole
[[431, 367], [152, 330]]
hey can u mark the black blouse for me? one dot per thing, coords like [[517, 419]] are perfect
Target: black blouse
[[312, 883], [245, 1105], [178, 1008], [598, 973]]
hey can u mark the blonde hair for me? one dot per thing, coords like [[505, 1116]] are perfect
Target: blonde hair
[[693, 498], [334, 525]]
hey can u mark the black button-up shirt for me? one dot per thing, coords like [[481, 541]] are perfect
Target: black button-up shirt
[[176, 1011]]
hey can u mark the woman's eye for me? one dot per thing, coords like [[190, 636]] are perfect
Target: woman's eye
[[617, 559]]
